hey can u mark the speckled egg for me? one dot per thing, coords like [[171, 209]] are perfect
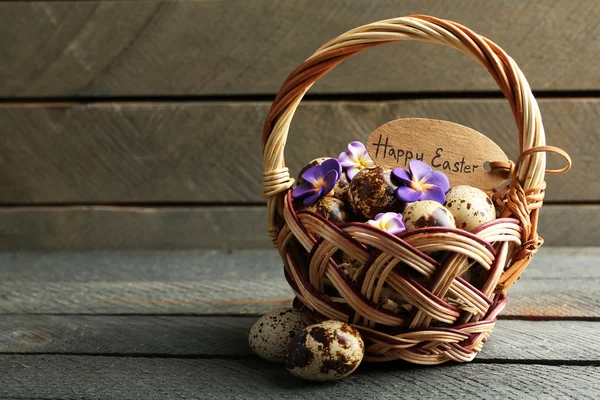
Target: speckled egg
[[340, 190], [372, 191], [470, 206], [270, 335], [327, 351], [331, 209], [427, 213]]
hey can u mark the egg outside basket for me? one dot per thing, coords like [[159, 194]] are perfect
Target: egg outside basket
[[448, 317]]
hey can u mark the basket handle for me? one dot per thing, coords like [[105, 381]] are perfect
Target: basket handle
[[529, 172]]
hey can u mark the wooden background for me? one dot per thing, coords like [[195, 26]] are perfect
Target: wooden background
[[136, 125]]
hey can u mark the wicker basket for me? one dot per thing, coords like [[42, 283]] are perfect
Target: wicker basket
[[447, 317]]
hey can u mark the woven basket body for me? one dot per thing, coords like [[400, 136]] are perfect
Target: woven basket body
[[444, 317]]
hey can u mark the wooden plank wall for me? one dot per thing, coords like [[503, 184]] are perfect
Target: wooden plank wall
[[136, 125]]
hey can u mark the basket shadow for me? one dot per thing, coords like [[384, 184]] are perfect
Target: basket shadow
[[223, 342], [275, 375]]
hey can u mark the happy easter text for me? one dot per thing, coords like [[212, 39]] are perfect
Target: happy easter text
[[385, 150]]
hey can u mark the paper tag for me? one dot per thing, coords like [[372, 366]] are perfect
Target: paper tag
[[454, 149]]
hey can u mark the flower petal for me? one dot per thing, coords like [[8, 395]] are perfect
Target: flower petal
[[374, 223], [390, 222], [418, 169], [438, 179], [383, 218], [311, 199], [434, 193], [330, 180], [357, 149], [367, 161], [331, 164], [347, 160], [351, 172], [313, 174], [408, 194], [302, 190], [394, 226], [402, 175]]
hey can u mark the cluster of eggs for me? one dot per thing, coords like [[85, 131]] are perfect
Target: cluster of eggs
[[373, 191], [466, 208], [324, 351]]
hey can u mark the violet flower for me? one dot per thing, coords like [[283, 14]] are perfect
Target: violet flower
[[389, 222], [421, 183], [319, 181], [355, 159]]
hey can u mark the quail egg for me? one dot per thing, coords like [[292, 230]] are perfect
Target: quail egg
[[470, 206], [372, 191], [330, 208], [427, 213], [270, 335], [326, 351]]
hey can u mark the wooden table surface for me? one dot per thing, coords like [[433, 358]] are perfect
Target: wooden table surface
[[154, 325]]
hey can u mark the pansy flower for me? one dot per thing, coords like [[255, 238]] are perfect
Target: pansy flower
[[389, 222], [421, 183], [355, 159], [319, 181]]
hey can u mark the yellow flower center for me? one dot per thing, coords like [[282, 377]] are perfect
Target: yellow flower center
[[417, 185], [364, 162], [321, 184], [420, 185]]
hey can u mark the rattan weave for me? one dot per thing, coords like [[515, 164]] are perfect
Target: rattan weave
[[445, 317]]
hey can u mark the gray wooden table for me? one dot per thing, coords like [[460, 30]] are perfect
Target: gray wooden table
[[154, 325], [107, 109]]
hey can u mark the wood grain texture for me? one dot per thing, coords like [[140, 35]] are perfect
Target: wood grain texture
[[210, 152], [149, 228], [80, 377], [555, 297], [106, 48], [139, 335], [145, 297], [240, 265], [568, 287], [228, 336], [167, 266], [530, 298], [564, 263], [79, 228]]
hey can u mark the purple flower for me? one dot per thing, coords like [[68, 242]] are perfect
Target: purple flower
[[319, 181], [355, 159], [389, 222], [421, 183]]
